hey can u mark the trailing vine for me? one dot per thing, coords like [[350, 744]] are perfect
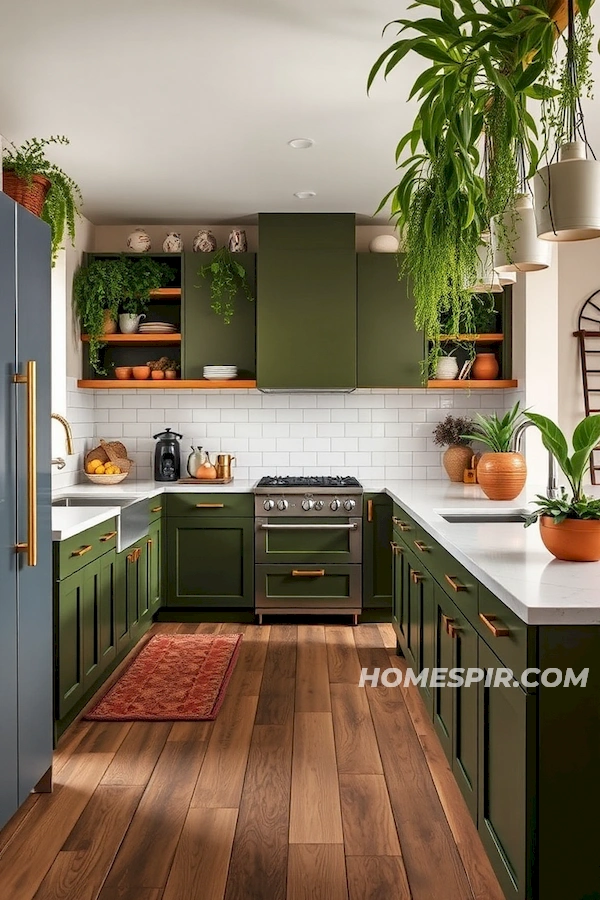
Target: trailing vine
[[227, 277]]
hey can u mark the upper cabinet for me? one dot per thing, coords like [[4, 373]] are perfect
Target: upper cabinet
[[390, 349], [306, 308]]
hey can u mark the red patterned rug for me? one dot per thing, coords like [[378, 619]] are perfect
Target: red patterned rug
[[175, 676]]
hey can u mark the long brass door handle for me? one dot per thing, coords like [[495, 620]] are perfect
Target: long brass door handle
[[308, 573], [108, 537], [421, 547], [210, 505], [30, 547], [82, 550], [497, 630], [455, 584], [369, 510]]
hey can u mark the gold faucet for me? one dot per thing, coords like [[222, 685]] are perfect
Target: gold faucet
[[69, 435]]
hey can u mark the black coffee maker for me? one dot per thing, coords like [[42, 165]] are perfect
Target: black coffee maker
[[167, 464]]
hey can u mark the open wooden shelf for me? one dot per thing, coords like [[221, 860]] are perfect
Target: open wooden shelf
[[475, 338], [136, 340], [166, 293], [162, 384], [472, 384]]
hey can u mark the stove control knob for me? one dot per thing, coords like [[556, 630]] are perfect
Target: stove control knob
[[269, 504], [307, 504], [319, 504], [282, 505], [335, 505], [349, 504]]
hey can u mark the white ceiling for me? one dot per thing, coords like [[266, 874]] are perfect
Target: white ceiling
[[180, 111]]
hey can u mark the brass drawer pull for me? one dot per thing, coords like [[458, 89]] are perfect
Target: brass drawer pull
[[134, 555], [149, 542], [447, 622], [396, 548], [401, 525], [308, 573], [108, 537], [156, 509], [210, 505], [452, 630], [369, 510], [417, 576], [497, 630], [82, 550], [421, 547], [454, 584]]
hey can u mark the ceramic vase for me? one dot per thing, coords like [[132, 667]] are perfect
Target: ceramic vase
[[446, 368], [384, 243], [237, 242], [502, 476], [485, 367], [139, 241], [173, 243], [204, 242], [129, 323], [456, 459]]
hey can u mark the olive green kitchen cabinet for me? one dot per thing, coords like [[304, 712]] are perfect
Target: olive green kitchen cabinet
[[390, 349], [210, 562], [154, 557], [306, 303], [206, 339], [377, 552]]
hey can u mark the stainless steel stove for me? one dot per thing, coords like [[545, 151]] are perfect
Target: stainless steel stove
[[308, 543]]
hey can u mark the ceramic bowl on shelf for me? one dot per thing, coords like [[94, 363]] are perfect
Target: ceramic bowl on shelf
[[123, 373], [141, 373], [157, 374]]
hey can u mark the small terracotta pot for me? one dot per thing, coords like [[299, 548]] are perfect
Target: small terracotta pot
[[110, 326], [502, 476], [456, 459], [157, 374], [485, 367], [576, 540], [123, 372], [141, 373], [170, 374]]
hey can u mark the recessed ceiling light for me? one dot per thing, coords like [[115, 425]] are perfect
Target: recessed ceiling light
[[305, 195], [301, 143]]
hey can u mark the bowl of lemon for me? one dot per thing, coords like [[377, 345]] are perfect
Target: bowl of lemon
[[104, 473]]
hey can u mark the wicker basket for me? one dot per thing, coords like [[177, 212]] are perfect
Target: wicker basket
[[107, 479], [110, 451], [30, 195]]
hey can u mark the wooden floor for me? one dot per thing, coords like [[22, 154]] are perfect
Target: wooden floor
[[306, 786]]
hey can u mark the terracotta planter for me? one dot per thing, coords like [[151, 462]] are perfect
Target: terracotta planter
[[30, 195], [576, 540], [485, 367], [157, 374], [456, 459], [170, 374], [140, 373], [110, 326], [123, 373], [502, 476]]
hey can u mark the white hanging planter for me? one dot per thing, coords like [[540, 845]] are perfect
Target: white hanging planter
[[506, 277], [487, 280], [515, 243], [567, 196]]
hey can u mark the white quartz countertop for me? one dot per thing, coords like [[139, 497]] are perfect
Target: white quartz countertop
[[506, 557]]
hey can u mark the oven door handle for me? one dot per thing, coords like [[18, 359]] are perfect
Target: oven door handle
[[320, 527]]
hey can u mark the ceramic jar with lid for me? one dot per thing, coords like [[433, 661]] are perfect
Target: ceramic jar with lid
[[173, 243], [204, 242]]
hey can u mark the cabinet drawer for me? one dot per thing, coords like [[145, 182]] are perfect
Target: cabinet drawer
[[215, 505], [74, 553], [516, 649], [296, 588], [456, 581], [156, 507]]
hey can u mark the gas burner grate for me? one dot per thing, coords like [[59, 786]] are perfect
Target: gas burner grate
[[309, 481]]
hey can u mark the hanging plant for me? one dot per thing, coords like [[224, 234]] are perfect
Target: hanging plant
[[227, 278]]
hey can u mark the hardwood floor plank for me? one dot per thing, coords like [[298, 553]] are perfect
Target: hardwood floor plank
[[315, 816], [67, 744], [104, 737], [191, 731], [367, 818], [342, 657], [372, 652], [256, 640], [147, 851], [202, 857], [431, 858], [79, 870], [222, 775], [312, 673], [191, 628], [356, 747], [203, 628], [17, 821], [377, 878], [258, 868], [278, 688], [316, 872], [136, 757], [34, 848], [388, 635]]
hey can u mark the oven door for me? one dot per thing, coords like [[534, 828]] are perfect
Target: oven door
[[287, 540]]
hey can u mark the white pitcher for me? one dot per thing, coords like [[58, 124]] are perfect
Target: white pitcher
[[129, 323]]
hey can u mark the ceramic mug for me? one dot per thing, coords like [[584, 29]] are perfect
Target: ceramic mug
[[129, 323]]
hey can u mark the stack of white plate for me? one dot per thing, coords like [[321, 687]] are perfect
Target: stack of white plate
[[219, 373], [157, 328]]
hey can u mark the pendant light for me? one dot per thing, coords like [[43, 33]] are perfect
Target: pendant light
[[515, 243], [567, 191], [487, 280]]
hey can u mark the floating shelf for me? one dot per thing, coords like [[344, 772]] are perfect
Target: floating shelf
[[166, 294], [475, 338], [164, 384], [472, 384], [135, 340]]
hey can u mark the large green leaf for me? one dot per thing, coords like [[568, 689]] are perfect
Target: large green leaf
[[553, 440], [587, 433]]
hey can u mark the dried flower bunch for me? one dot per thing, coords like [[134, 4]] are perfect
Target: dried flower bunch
[[452, 431], [164, 364]]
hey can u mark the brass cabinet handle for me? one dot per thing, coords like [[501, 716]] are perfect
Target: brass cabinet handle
[[210, 505], [401, 525], [308, 573], [156, 509], [417, 576], [497, 630], [452, 630], [369, 510], [421, 547], [149, 542], [396, 548], [454, 584], [446, 622], [108, 537], [134, 555], [82, 550], [30, 548]]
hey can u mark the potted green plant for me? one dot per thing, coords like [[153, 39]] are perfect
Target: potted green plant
[[444, 363], [42, 187], [227, 277], [501, 472], [450, 433], [140, 277], [569, 524]]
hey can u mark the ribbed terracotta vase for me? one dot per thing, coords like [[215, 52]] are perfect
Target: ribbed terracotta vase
[[110, 326], [485, 367], [576, 540], [502, 476], [455, 460]]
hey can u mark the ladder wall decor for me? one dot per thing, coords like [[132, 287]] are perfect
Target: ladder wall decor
[[588, 336]]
